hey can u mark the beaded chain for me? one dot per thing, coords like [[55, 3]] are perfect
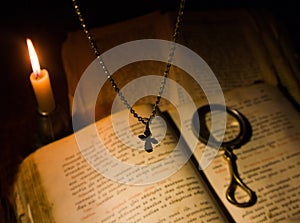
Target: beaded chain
[[94, 47]]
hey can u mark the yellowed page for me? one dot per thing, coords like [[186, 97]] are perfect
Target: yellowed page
[[79, 193], [268, 163]]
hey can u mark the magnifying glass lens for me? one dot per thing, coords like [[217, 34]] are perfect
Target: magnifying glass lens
[[232, 126], [231, 129]]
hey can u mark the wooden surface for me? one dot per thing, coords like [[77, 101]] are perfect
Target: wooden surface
[[47, 26]]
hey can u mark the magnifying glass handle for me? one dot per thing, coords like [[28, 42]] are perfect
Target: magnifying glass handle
[[236, 181]]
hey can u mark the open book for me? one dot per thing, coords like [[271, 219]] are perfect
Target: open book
[[67, 181]]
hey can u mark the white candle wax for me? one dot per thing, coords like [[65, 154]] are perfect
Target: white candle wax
[[43, 91], [41, 84]]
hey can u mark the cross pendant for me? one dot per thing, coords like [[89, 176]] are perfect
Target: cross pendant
[[148, 139]]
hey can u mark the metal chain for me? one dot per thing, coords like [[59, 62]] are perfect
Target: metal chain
[[94, 47]]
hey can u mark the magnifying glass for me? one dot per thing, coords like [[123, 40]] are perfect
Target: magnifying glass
[[238, 132]]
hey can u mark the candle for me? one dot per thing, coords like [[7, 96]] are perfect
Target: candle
[[40, 82]]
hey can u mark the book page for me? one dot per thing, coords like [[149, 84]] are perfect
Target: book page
[[78, 192], [268, 163]]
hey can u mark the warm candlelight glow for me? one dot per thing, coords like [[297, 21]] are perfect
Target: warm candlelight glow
[[40, 81], [33, 58]]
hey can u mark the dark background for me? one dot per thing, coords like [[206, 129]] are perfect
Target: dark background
[[47, 23]]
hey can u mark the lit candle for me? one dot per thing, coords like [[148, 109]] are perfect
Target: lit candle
[[40, 82]]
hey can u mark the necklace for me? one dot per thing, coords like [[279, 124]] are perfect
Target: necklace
[[144, 120]]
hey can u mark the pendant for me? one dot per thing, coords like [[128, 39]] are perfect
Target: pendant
[[148, 139]]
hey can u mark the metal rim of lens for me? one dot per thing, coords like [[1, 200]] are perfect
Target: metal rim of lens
[[202, 132]]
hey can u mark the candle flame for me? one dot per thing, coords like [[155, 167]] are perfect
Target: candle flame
[[33, 58]]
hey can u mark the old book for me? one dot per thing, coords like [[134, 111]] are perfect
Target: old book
[[58, 184], [70, 182]]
